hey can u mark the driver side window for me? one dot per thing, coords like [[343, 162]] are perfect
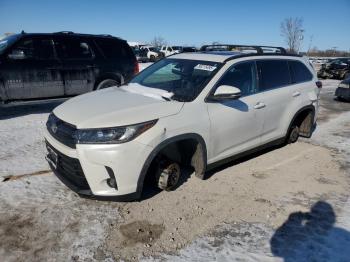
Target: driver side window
[[242, 76], [23, 50]]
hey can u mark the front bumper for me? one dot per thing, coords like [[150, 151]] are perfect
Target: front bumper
[[343, 92], [86, 169]]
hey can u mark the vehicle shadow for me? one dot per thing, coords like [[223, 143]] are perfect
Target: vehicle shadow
[[311, 236], [341, 100], [229, 163], [12, 111]]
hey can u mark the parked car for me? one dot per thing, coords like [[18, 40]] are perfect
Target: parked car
[[168, 50], [37, 66], [141, 55], [336, 68], [184, 49], [343, 90], [188, 49], [152, 52], [193, 110]]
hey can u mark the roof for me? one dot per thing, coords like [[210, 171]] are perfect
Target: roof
[[67, 33], [215, 56], [223, 56]]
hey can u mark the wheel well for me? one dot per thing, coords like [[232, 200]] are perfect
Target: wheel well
[[304, 120], [186, 150], [117, 77]]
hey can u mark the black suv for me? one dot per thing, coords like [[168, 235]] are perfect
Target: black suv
[[41, 66]]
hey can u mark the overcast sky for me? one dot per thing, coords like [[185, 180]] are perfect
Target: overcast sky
[[184, 22]]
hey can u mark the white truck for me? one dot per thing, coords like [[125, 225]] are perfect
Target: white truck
[[168, 50]]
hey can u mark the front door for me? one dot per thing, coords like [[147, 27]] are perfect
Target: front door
[[32, 70], [236, 125]]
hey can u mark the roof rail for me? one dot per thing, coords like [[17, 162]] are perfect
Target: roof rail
[[64, 32], [231, 47], [105, 35]]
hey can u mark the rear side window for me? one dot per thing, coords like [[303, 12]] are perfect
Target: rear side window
[[273, 74], [299, 72], [73, 48], [113, 49]]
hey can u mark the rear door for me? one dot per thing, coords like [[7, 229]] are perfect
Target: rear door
[[78, 64], [32, 70], [277, 96], [119, 59]]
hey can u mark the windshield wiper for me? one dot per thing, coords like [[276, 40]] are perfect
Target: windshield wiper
[[167, 98]]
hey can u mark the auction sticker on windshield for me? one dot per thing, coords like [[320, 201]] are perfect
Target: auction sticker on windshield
[[205, 67]]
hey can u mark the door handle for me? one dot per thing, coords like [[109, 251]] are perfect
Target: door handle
[[259, 105], [295, 94]]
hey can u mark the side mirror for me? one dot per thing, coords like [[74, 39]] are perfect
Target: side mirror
[[17, 54], [226, 92]]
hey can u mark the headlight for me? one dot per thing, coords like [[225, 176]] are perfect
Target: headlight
[[112, 135], [344, 85]]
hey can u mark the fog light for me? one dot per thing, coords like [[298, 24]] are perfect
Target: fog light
[[111, 181]]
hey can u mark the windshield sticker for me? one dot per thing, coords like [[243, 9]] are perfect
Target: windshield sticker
[[205, 67]]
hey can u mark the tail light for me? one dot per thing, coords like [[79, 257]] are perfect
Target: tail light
[[136, 68], [319, 84]]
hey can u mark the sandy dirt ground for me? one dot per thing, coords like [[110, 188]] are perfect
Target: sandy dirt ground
[[241, 211]]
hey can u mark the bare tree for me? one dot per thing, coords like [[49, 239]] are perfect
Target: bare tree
[[293, 33], [158, 41]]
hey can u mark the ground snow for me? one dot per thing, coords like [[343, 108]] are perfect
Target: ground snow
[[22, 143], [39, 212]]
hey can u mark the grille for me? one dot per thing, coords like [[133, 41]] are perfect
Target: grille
[[62, 131], [70, 169]]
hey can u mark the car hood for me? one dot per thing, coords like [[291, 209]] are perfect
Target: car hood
[[115, 107]]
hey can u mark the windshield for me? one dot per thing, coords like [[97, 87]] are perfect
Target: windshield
[[184, 78], [7, 41]]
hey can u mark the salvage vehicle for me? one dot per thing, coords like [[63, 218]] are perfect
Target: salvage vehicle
[[63, 64], [188, 49], [152, 52], [336, 68], [191, 110], [184, 49], [168, 50], [343, 90], [141, 55]]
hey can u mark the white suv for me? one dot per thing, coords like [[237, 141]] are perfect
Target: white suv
[[191, 110], [168, 50], [152, 52]]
